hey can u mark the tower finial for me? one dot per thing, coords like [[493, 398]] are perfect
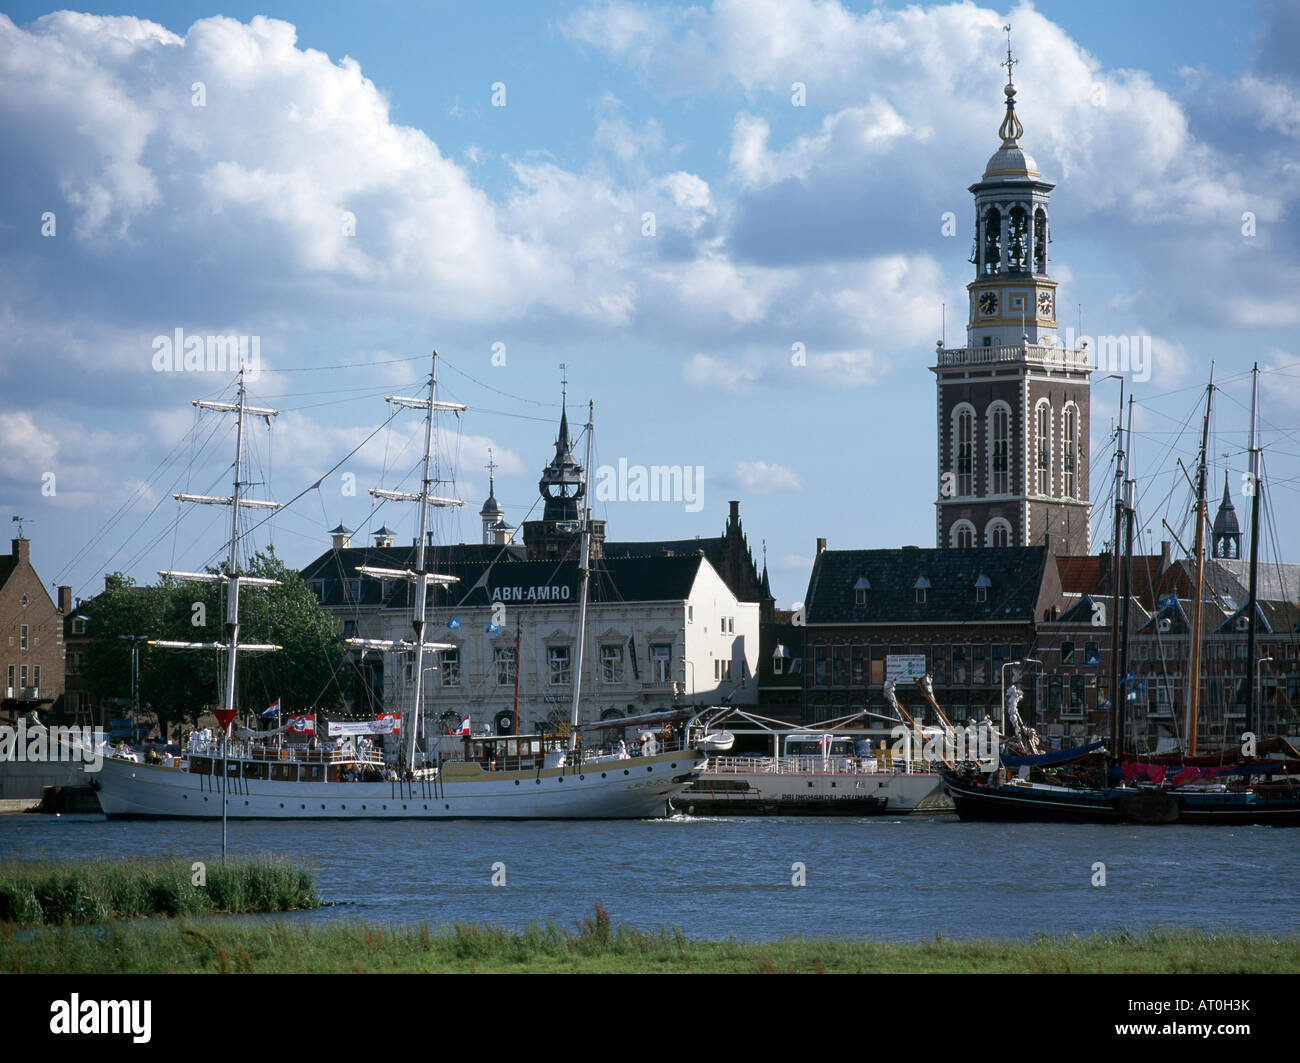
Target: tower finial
[[1011, 129], [491, 468]]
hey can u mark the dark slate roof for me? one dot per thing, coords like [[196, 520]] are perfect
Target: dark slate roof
[[714, 549], [493, 573], [1016, 575]]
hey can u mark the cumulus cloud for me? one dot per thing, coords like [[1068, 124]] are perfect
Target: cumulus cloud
[[761, 477]]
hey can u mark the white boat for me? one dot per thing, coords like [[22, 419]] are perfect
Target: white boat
[[838, 770], [498, 777]]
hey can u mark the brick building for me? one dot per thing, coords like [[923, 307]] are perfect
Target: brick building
[[31, 635]]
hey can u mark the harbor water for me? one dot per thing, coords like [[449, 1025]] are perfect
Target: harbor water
[[897, 879]]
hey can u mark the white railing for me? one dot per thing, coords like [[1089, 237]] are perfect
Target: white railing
[[1044, 354], [815, 765]]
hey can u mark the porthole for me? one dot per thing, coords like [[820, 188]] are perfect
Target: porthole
[[304, 806], [673, 765], [539, 782], [341, 807], [446, 806], [626, 772], [516, 782], [581, 778], [282, 804], [648, 768], [384, 807], [322, 807]]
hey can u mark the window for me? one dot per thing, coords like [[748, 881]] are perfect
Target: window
[[965, 452], [731, 625], [859, 596], [1067, 653], [1017, 239], [1044, 485], [979, 657], [840, 666], [1000, 456], [557, 658], [22, 675], [877, 665], [1091, 653], [1077, 688], [352, 590], [1040, 241], [963, 535], [661, 662], [998, 533], [22, 637], [690, 614], [349, 629], [10, 684], [778, 661], [1070, 454], [1055, 689], [821, 669], [78, 626], [36, 676], [992, 240], [859, 665], [958, 664], [611, 664], [450, 668], [981, 595], [74, 664], [920, 595], [504, 659]]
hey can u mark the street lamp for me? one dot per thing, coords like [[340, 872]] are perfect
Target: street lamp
[[1002, 726]]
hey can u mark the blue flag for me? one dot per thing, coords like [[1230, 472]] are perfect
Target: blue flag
[[493, 628], [1093, 659], [454, 623], [1169, 601]]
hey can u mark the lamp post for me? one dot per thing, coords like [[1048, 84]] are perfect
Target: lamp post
[[1259, 683], [1002, 724]]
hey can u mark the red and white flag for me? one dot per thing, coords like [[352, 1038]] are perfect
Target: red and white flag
[[302, 724], [464, 726], [388, 723]]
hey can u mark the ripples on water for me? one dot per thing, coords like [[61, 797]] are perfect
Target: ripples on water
[[895, 879]]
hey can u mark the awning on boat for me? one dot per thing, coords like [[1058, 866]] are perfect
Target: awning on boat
[[1059, 756]]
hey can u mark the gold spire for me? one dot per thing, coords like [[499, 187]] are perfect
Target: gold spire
[[1010, 129]]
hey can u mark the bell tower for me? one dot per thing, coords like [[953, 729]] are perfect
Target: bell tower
[[558, 535], [1013, 403]]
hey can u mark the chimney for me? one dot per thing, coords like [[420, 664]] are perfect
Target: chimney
[[821, 545], [735, 512], [22, 549], [65, 600], [341, 537], [1164, 554]]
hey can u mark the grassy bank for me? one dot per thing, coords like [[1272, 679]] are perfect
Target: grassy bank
[[38, 894], [595, 946]]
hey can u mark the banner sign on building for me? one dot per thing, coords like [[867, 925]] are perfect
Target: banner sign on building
[[387, 724], [904, 666]]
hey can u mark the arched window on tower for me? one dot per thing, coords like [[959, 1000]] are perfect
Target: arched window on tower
[[1000, 449], [1040, 241], [997, 532], [965, 451], [1043, 417], [1070, 451], [962, 535], [1018, 239], [992, 240]]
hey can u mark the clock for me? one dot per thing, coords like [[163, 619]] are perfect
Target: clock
[[988, 302], [1044, 304]]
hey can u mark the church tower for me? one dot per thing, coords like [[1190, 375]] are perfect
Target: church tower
[[1013, 402]]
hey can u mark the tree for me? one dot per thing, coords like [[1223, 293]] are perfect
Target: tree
[[182, 685]]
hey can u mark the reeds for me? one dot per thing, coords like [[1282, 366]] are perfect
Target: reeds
[[37, 894]]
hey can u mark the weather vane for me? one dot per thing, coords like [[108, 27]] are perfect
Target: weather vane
[[1010, 62]]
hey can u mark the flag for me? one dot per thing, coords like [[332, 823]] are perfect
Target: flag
[[454, 623], [1169, 601], [1092, 659], [388, 723], [274, 710], [493, 628], [302, 724], [464, 726]]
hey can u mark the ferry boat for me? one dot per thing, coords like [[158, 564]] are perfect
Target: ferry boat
[[837, 770], [257, 776]]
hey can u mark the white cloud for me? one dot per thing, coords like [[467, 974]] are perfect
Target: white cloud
[[762, 477]]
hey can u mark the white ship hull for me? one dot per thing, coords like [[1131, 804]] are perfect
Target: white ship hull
[[637, 788], [902, 792]]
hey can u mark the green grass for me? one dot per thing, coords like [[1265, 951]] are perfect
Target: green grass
[[38, 894], [597, 946]]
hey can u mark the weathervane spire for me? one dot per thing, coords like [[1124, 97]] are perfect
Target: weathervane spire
[[1010, 130]]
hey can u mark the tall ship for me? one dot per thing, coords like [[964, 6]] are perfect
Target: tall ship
[[256, 775]]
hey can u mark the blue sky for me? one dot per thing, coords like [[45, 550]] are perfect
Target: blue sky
[[1163, 124]]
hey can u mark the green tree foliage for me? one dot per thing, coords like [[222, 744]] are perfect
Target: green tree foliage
[[181, 685]]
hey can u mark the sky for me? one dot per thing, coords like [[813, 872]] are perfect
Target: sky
[[727, 220]]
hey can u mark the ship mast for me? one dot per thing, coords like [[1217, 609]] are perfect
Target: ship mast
[[1258, 490], [1194, 657], [584, 579], [231, 577], [420, 578], [1126, 575]]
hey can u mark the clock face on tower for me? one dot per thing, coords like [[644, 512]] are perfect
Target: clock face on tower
[[988, 303], [1044, 304]]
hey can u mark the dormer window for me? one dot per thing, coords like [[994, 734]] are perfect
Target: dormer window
[[982, 586], [921, 586], [860, 591], [779, 657]]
